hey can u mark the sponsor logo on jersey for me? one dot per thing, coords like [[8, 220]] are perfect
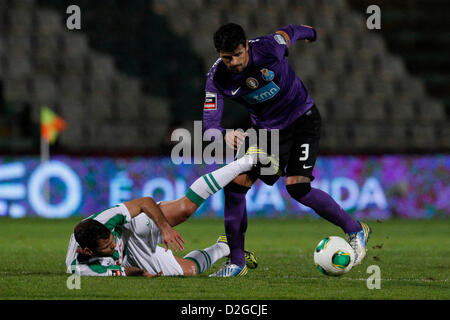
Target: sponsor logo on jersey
[[252, 83], [267, 74], [114, 273], [210, 101], [262, 94]]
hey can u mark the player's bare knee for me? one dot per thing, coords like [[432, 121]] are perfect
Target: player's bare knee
[[297, 179], [189, 267]]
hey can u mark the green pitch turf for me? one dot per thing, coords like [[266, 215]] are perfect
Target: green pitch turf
[[413, 256]]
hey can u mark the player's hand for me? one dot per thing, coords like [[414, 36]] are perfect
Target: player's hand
[[171, 237], [149, 275], [234, 139]]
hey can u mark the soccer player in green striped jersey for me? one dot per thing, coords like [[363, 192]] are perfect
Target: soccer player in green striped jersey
[[123, 240]]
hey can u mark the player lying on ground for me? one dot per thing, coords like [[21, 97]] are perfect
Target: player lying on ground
[[256, 73], [123, 240]]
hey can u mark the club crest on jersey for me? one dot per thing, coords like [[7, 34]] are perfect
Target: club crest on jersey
[[252, 83], [267, 74], [210, 101]]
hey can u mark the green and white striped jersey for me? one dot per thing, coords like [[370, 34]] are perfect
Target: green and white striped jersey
[[114, 219]]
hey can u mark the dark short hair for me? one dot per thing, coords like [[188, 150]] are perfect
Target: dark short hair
[[228, 37], [89, 231]]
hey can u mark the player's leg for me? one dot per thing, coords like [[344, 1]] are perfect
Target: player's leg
[[298, 183], [198, 261], [211, 183], [178, 211], [299, 187], [235, 212], [235, 217], [143, 237], [143, 251], [235, 220]]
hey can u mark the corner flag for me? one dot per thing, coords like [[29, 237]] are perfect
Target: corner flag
[[51, 125]]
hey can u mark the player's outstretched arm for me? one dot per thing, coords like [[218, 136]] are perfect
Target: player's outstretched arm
[[292, 33], [147, 205]]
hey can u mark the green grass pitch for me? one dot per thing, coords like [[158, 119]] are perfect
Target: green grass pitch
[[413, 256]]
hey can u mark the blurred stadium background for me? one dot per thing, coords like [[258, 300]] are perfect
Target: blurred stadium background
[[136, 71]]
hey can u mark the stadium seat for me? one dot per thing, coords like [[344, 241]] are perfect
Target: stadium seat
[[23, 5], [115, 136], [126, 96], [443, 137], [192, 5], [43, 90], [306, 64], [353, 84], [333, 61], [15, 89], [371, 109], [198, 43], [19, 22], [335, 136], [345, 107], [47, 22], [326, 82], [18, 45], [401, 108], [45, 49], [70, 87], [154, 134], [266, 21], [100, 67], [430, 110], [295, 13], [184, 23], [366, 137], [74, 112], [17, 66], [100, 107], [423, 137], [74, 44], [74, 135], [239, 17], [321, 103], [71, 64], [156, 109], [126, 136], [393, 138]]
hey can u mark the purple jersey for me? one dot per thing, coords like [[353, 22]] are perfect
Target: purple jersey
[[273, 94]]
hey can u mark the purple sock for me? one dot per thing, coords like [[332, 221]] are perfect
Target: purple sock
[[235, 217], [325, 206]]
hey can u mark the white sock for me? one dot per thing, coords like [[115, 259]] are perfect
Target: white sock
[[212, 182], [205, 258]]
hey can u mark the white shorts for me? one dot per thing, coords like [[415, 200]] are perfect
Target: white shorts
[[142, 239]]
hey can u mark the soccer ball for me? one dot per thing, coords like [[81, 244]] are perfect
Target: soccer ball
[[333, 256]]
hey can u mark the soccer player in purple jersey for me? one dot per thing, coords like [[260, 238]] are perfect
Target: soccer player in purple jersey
[[256, 74]]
